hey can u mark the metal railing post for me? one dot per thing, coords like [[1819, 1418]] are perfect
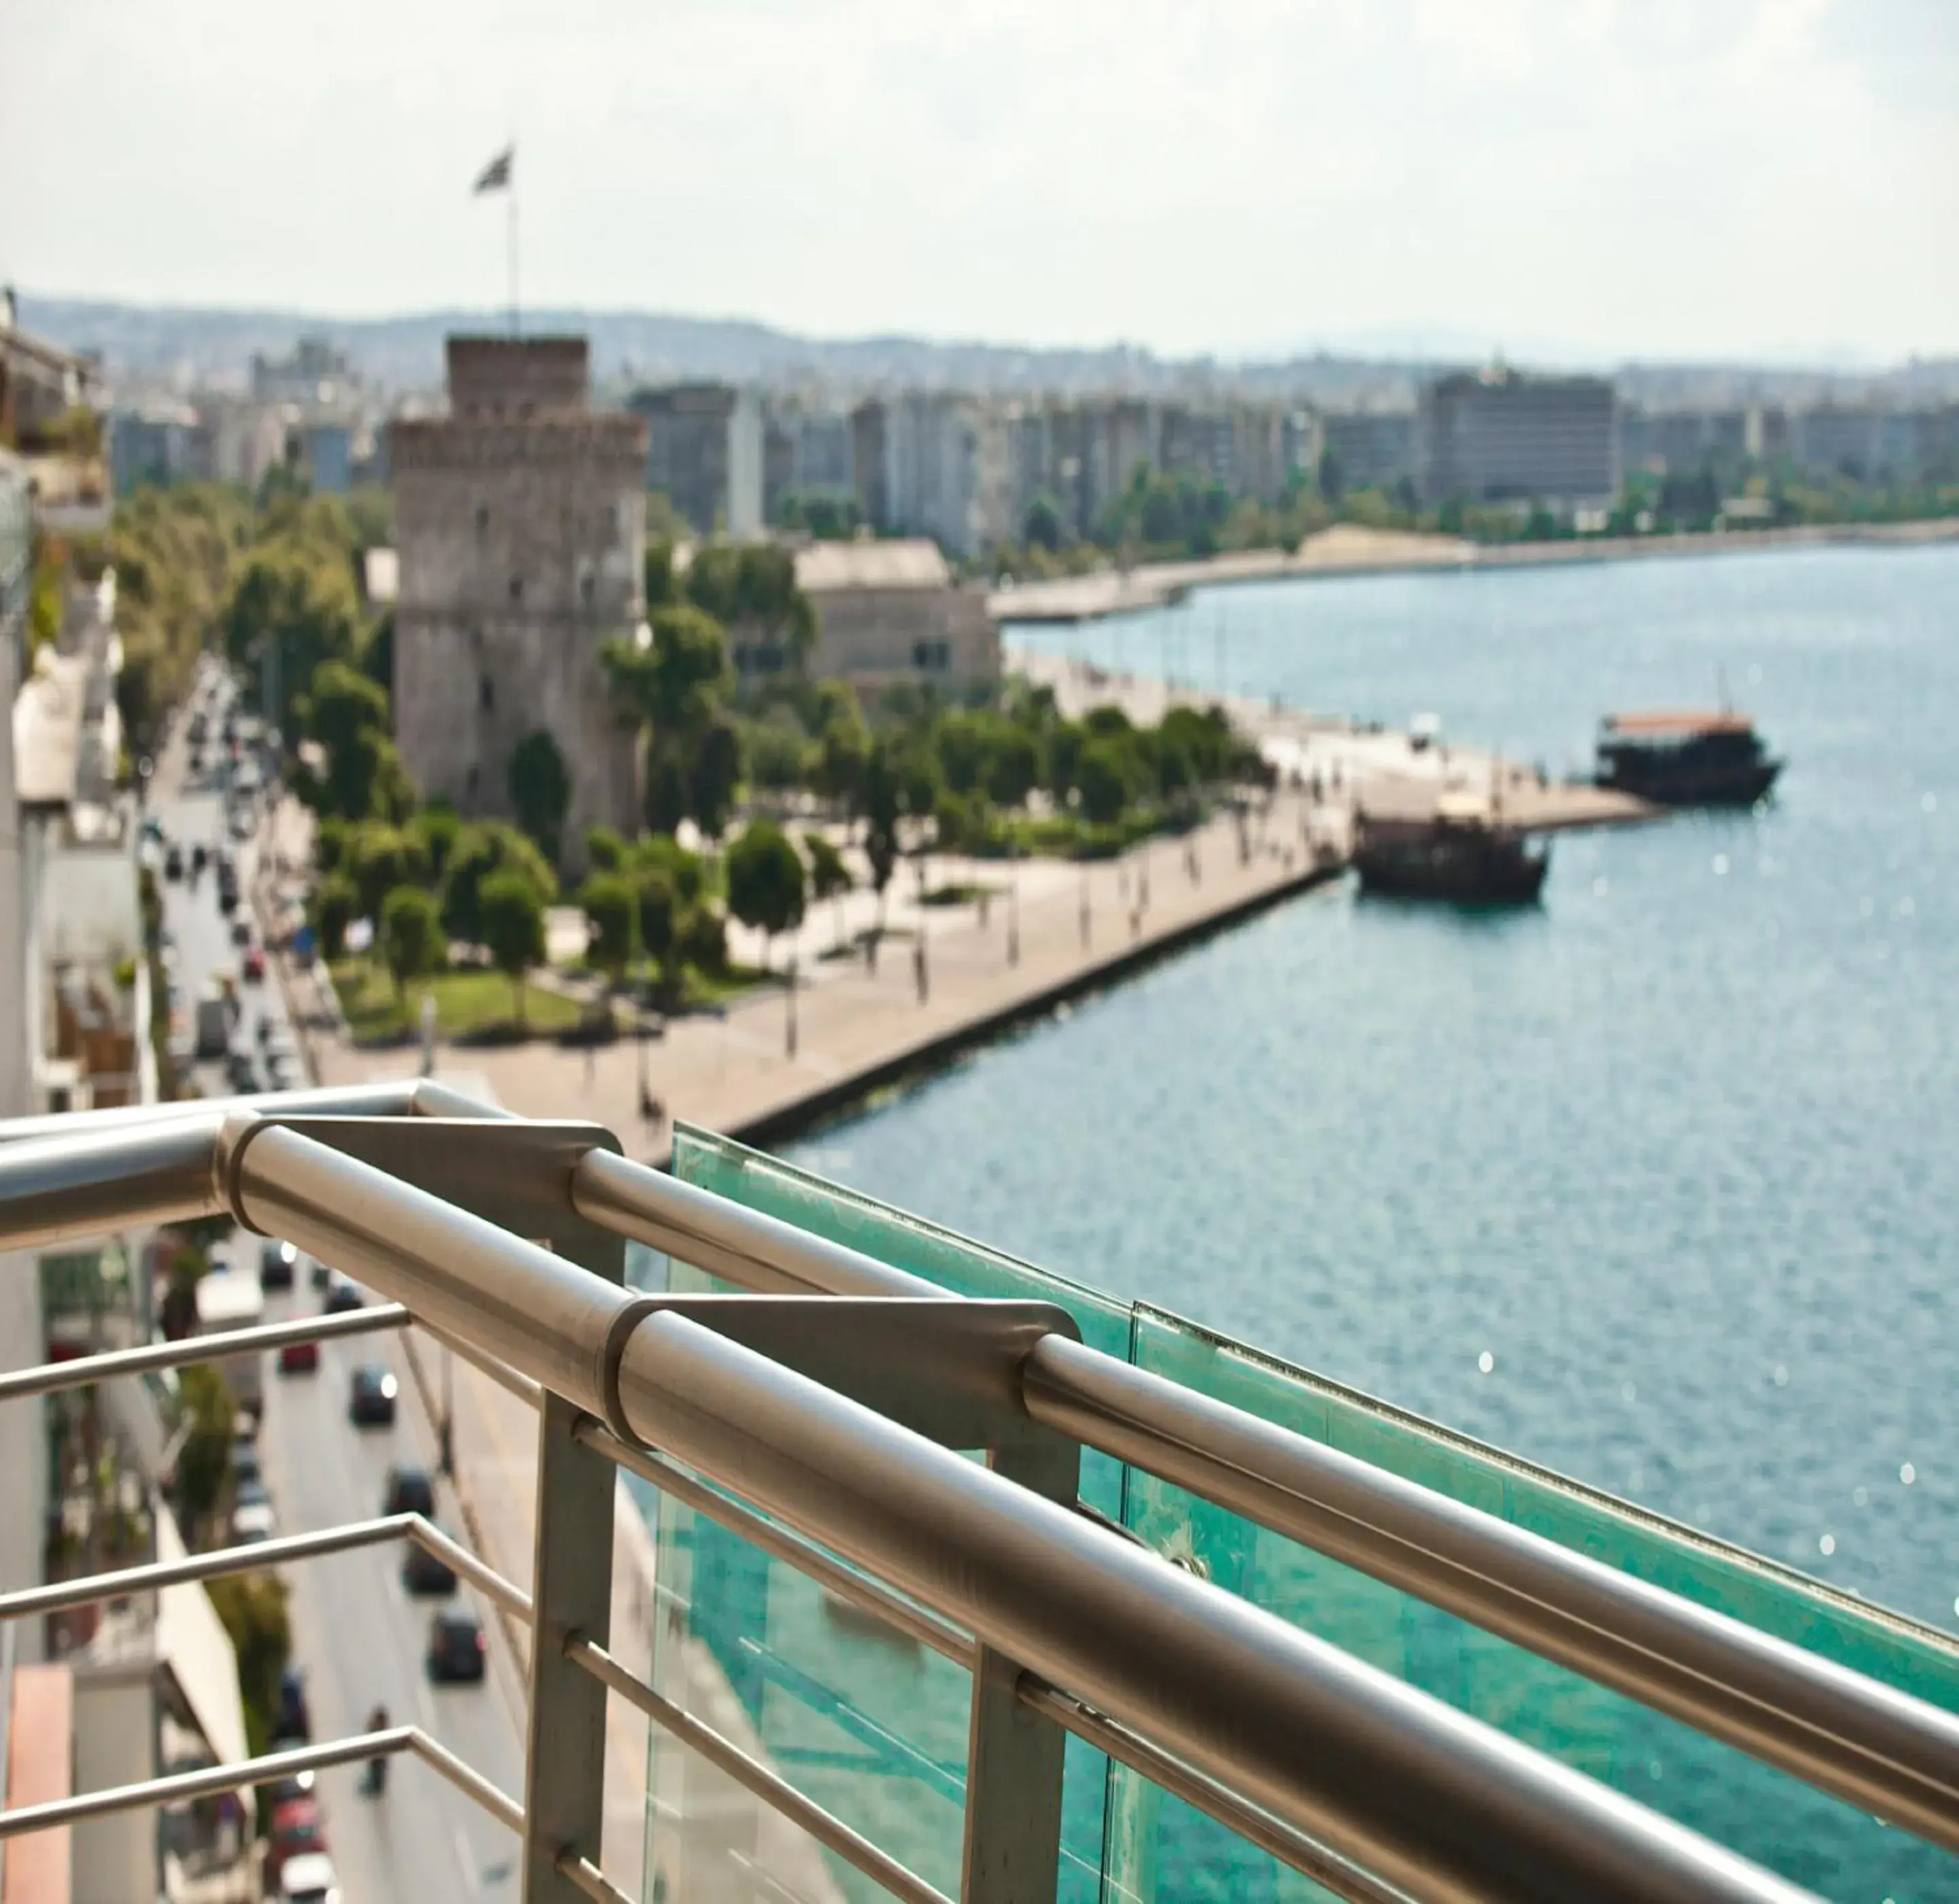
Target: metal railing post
[[564, 1749], [1014, 1755]]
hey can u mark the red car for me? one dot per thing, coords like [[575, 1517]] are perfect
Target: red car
[[297, 1828], [254, 964], [299, 1358]]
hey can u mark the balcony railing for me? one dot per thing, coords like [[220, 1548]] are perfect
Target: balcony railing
[[819, 1415]]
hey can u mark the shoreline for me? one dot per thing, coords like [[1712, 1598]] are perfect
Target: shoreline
[[1347, 551]]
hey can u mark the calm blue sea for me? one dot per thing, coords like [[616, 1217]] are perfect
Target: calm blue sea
[[1673, 1154]]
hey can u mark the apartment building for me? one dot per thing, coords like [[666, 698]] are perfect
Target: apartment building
[[1500, 435], [704, 454]]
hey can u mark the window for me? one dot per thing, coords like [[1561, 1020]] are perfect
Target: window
[[469, 785], [516, 588], [482, 521], [584, 589], [486, 693]]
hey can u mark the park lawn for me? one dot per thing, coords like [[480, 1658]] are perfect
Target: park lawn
[[464, 1002]]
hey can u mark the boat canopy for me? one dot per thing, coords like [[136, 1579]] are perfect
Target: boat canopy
[[1670, 723]]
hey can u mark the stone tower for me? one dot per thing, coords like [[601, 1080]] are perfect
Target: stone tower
[[520, 519]]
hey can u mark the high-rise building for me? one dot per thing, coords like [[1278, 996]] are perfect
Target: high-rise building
[[1369, 448], [939, 468], [1500, 436], [520, 522], [704, 455]]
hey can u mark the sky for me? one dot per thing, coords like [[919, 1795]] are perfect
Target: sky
[[1590, 179]]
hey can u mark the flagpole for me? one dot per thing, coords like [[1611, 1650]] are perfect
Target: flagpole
[[510, 193]]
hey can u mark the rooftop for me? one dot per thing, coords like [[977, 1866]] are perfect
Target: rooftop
[[827, 566]]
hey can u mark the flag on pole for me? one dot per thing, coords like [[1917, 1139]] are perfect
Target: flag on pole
[[495, 175]]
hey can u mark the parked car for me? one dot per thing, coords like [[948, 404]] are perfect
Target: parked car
[[295, 1718], [281, 1070], [277, 1263], [173, 862], [252, 1516], [298, 1837], [409, 1491], [244, 1461], [252, 966], [423, 1573], [322, 1276], [241, 931], [370, 1402], [310, 1879], [457, 1648], [299, 1358], [342, 1294]]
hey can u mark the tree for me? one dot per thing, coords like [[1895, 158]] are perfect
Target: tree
[[436, 828], [672, 690], [347, 713], [484, 849], [381, 859], [411, 941], [1013, 767], [610, 903], [1043, 528], [335, 905], [540, 789], [513, 928], [252, 1607], [843, 746], [829, 878], [767, 880], [663, 927], [606, 849], [291, 607], [203, 1456], [1104, 781], [717, 772]]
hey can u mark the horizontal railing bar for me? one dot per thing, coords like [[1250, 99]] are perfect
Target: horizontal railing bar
[[254, 1558], [1326, 1867], [912, 1622], [1883, 1751], [177, 1786], [760, 1253], [62, 1189], [468, 1780], [589, 1879], [51, 1377], [505, 1377], [830, 1832], [1437, 1803]]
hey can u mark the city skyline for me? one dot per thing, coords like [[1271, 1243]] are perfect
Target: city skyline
[[1584, 183]]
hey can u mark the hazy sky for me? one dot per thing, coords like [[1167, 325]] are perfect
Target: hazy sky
[[1653, 177]]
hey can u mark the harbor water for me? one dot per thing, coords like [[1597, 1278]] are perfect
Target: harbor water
[[1654, 1182]]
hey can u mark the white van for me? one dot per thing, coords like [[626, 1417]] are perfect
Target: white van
[[231, 1299]]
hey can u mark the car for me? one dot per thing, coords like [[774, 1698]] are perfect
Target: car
[[252, 1516], [295, 1717], [322, 1275], [409, 1491], [241, 1073], [242, 824], [308, 1879], [298, 1835], [281, 1070], [253, 964], [343, 1294], [370, 1402], [299, 1358], [423, 1573], [244, 1461], [241, 931], [199, 859], [458, 1650], [173, 862], [278, 1262]]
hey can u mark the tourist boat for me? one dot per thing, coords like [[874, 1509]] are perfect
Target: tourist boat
[[1458, 850], [1685, 759]]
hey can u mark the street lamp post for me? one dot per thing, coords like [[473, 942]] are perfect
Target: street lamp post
[[447, 1433], [791, 1025], [1014, 905]]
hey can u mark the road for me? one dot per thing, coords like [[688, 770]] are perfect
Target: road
[[357, 1636]]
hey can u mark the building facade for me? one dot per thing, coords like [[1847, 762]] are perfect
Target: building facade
[[1500, 436], [1371, 449], [520, 527], [889, 612], [704, 453]]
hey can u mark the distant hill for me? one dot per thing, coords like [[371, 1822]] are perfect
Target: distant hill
[[143, 342]]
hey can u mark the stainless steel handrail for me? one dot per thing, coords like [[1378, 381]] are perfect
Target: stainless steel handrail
[[1881, 1750], [1419, 1794]]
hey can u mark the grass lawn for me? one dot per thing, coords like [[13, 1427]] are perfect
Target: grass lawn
[[464, 1002]]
